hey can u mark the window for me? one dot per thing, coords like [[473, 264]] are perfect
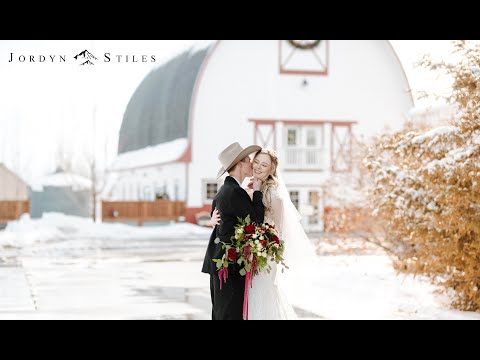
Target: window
[[211, 189], [304, 147], [314, 201], [292, 137], [294, 196], [311, 137]]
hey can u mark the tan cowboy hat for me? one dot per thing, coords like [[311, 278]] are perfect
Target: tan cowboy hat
[[233, 154]]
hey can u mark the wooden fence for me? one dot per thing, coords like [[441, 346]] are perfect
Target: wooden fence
[[12, 210], [141, 211]]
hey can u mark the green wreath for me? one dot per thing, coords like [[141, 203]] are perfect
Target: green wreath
[[304, 46]]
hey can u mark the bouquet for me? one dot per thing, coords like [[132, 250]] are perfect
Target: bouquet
[[251, 247]]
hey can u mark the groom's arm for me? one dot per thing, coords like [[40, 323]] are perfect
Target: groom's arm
[[243, 206], [258, 207], [214, 204]]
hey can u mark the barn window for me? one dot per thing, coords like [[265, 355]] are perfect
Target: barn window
[[292, 137], [210, 190], [304, 147]]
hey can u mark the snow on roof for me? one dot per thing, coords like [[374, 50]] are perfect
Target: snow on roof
[[151, 155], [62, 179]]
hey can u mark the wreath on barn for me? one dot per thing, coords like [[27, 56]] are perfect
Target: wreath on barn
[[304, 44]]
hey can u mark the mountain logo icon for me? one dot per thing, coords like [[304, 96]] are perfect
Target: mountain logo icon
[[85, 57]]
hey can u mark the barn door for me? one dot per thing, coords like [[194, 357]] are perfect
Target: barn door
[[264, 134], [341, 147]]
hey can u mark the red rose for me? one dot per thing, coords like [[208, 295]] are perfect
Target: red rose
[[264, 243], [232, 254], [276, 239], [249, 229]]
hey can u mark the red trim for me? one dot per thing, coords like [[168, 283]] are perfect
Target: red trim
[[187, 155], [347, 141], [264, 122], [192, 211], [305, 122], [303, 72], [256, 132]]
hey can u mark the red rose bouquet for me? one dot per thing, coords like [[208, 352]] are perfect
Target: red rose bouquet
[[251, 247]]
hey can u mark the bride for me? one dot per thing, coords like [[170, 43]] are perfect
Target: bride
[[268, 298]]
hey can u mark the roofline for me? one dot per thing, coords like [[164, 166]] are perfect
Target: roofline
[[13, 174], [142, 167], [405, 78], [303, 121], [186, 157]]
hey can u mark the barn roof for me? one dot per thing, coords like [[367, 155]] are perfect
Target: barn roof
[[158, 110], [5, 169]]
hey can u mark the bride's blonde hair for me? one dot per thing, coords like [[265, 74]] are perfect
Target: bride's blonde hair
[[271, 182]]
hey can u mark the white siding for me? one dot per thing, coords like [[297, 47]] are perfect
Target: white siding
[[141, 184], [241, 81]]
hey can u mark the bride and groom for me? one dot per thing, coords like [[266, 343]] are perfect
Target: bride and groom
[[266, 200]]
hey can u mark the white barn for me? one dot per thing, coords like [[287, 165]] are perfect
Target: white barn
[[305, 98]]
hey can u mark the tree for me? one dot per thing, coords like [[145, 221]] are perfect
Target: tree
[[426, 186]]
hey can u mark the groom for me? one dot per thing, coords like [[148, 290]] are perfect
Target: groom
[[232, 201]]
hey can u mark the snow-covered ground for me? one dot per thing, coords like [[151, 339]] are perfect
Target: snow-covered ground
[[63, 267], [59, 227]]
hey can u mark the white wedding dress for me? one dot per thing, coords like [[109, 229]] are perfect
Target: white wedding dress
[[266, 300]]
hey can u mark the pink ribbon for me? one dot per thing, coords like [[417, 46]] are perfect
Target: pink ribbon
[[248, 281]]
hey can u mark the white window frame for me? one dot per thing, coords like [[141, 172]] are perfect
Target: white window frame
[[205, 183], [300, 156]]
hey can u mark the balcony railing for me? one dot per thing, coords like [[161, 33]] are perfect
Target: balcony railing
[[305, 159]]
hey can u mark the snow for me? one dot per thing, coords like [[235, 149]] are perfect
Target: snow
[[151, 155], [367, 287], [57, 227], [166, 282], [476, 139], [451, 160], [62, 179], [432, 134]]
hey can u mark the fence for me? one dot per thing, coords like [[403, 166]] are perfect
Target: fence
[[12, 210], [141, 211]]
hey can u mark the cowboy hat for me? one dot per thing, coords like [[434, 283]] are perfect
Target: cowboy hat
[[233, 154]]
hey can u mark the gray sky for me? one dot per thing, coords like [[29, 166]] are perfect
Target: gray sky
[[51, 104]]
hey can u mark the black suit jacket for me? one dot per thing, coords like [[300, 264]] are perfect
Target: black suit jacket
[[232, 201]]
